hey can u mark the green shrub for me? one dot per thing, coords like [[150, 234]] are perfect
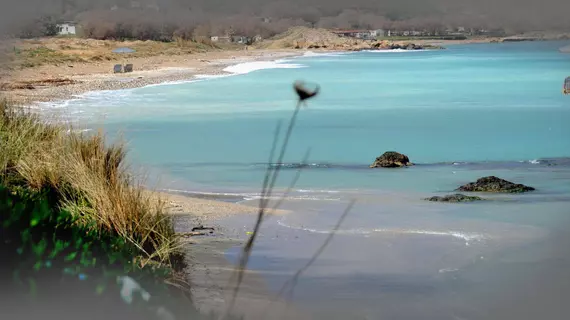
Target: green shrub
[[43, 249]]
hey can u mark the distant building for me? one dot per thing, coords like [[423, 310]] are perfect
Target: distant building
[[359, 34], [66, 28], [409, 33], [220, 39], [379, 33], [395, 33]]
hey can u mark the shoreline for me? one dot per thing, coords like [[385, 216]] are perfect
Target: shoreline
[[59, 83], [209, 271], [68, 81], [31, 88]]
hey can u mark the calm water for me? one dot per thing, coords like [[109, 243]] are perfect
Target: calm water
[[460, 114], [485, 102]]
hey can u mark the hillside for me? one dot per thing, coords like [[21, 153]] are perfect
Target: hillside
[[309, 38]]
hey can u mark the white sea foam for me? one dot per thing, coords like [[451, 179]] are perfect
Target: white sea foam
[[247, 67], [455, 234], [302, 197], [168, 83], [56, 104], [448, 270], [393, 51], [249, 196], [211, 76], [535, 161], [316, 191], [467, 237], [324, 54], [205, 193]]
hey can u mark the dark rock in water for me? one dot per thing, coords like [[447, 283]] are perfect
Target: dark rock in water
[[494, 184], [391, 159], [454, 198]]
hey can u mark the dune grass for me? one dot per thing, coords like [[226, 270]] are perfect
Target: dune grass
[[68, 51], [87, 178]]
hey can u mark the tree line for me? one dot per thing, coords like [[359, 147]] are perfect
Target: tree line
[[192, 19]]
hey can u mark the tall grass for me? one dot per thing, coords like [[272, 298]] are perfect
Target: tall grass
[[87, 178]]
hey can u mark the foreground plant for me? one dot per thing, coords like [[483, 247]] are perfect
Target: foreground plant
[[84, 176]]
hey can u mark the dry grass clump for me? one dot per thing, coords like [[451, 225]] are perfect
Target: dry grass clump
[[87, 177]]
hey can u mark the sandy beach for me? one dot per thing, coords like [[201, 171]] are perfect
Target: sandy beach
[[59, 69], [32, 85], [212, 276]]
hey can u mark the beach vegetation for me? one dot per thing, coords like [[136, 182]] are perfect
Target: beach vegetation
[[68, 51], [79, 180]]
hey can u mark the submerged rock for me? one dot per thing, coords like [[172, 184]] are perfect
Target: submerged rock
[[494, 184], [458, 197], [391, 159]]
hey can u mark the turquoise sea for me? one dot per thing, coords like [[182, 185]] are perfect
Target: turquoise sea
[[459, 114], [471, 103]]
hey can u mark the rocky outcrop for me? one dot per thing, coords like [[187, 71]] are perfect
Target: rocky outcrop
[[388, 45], [458, 197], [391, 159], [494, 184]]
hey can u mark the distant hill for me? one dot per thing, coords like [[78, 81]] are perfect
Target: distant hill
[[306, 38], [311, 38]]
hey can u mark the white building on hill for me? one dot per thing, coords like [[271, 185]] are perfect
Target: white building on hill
[[66, 28]]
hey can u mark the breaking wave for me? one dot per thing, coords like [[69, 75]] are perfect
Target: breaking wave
[[247, 67]]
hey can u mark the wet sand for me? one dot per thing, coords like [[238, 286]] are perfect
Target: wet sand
[[211, 275], [398, 257], [397, 273]]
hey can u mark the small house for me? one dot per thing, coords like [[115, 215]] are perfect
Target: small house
[[224, 39], [66, 28], [359, 34], [379, 33]]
